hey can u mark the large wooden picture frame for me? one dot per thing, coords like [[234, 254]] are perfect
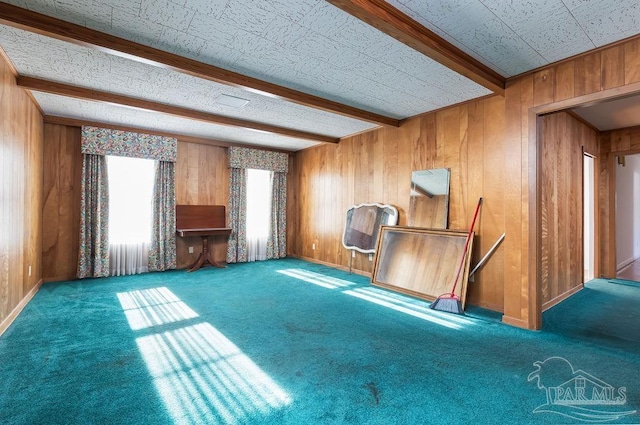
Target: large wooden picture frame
[[421, 262]]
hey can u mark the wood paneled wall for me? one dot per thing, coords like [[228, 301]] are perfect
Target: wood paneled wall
[[563, 139], [376, 167], [601, 74], [202, 177], [61, 210], [21, 133]]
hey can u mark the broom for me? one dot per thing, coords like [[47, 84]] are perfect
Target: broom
[[450, 302]]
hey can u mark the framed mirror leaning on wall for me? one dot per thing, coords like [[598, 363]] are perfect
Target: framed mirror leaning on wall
[[429, 205], [363, 225]]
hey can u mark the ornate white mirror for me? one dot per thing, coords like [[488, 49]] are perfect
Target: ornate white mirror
[[429, 206], [363, 225]]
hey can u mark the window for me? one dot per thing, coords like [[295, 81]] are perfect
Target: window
[[130, 213], [258, 212]]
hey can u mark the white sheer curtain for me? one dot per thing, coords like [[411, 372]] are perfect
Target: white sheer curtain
[[130, 214], [259, 187]]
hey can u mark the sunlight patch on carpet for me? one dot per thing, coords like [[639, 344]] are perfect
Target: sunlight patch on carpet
[[409, 306], [316, 278], [203, 377], [152, 307]]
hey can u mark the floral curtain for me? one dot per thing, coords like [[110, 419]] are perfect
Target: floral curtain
[[162, 254], [93, 258], [96, 143], [237, 211], [258, 159], [103, 141], [277, 242], [240, 159]]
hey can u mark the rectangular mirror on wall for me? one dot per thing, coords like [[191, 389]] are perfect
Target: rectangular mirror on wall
[[429, 205]]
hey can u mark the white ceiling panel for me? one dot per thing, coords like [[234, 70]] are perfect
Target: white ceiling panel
[[514, 36], [42, 57], [273, 41], [131, 117], [306, 45]]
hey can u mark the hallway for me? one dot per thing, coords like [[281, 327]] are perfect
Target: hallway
[[631, 272]]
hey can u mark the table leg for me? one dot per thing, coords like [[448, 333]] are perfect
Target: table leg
[[205, 257]]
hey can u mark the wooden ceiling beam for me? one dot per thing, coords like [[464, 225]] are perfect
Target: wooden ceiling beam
[[391, 21], [52, 27], [67, 90]]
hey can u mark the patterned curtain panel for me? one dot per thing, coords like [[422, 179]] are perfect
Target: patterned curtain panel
[[237, 210], [93, 259], [277, 242], [103, 141], [162, 254], [258, 159]]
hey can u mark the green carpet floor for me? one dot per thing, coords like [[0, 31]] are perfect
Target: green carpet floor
[[290, 342]]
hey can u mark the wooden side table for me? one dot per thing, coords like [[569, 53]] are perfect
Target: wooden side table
[[205, 233]]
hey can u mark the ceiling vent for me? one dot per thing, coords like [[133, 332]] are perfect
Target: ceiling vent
[[231, 101]]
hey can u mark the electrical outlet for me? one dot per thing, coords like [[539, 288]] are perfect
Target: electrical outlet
[[313, 246], [370, 257], [190, 250], [353, 254]]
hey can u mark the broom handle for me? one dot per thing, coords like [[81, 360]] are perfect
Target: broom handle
[[466, 246]]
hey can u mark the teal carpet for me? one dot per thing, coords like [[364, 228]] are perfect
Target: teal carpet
[[290, 342]]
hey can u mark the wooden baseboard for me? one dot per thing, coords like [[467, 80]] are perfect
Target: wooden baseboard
[[16, 311], [514, 321], [562, 297], [335, 266], [626, 264]]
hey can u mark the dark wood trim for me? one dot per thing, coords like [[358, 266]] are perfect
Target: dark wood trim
[[101, 96], [396, 24], [589, 99], [51, 27], [534, 308], [74, 122], [557, 300]]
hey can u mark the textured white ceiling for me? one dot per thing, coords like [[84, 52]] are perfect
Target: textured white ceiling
[[126, 116], [37, 56], [307, 45], [515, 36], [612, 114]]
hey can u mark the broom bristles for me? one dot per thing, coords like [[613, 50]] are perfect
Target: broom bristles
[[448, 303]]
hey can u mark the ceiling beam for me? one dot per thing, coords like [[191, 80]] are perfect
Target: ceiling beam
[[52, 27], [388, 19], [67, 90]]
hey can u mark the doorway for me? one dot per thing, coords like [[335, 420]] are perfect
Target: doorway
[[589, 214], [627, 216]]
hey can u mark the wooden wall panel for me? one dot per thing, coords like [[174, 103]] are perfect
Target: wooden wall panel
[[61, 210], [562, 141], [597, 75], [202, 177], [376, 167], [21, 130]]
